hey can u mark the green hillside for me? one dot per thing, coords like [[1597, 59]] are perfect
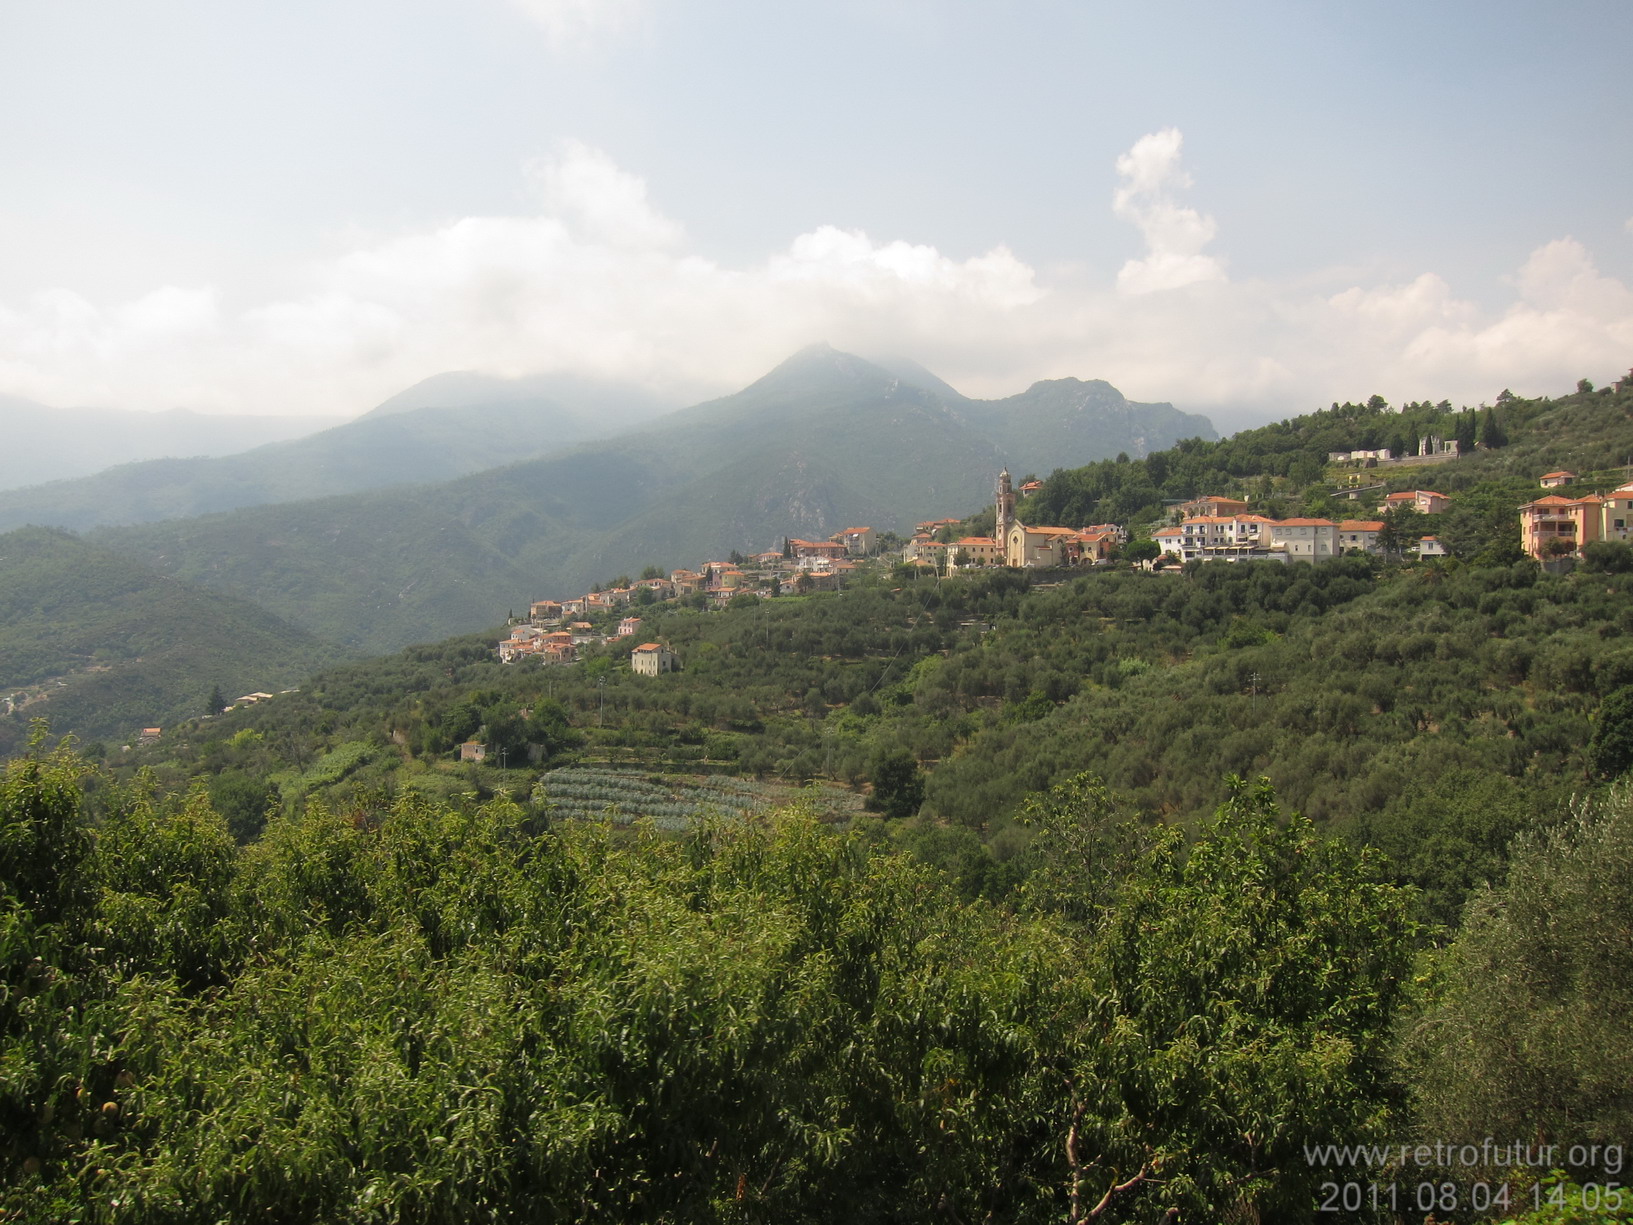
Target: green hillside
[[102, 646], [823, 442]]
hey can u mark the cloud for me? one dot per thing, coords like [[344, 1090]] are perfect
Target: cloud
[[572, 25], [584, 187], [1174, 236], [598, 281]]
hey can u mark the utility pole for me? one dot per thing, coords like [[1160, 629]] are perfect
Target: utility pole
[[601, 687]]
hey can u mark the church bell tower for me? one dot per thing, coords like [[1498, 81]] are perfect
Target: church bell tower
[[1006, 510]]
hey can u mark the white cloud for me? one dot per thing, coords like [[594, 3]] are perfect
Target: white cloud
[[1174, 236], [586, 188], [598, 281], [576, 24]]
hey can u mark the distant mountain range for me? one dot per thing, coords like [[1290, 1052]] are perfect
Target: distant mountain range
[[824, 441], [51, 444], [444, 427]]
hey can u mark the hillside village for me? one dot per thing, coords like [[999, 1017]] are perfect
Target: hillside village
[[1209, 528]]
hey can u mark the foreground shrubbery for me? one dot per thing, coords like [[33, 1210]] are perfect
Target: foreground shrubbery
[[439, 1013], [442, 1015]]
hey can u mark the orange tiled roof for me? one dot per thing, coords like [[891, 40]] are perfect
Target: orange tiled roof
[[1361, 525]]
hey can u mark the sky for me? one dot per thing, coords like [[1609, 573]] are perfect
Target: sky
[[1250, 210]]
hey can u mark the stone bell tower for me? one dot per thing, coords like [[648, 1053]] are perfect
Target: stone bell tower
[[1006, 510]]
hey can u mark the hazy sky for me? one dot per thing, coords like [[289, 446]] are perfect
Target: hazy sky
[[1249, 209]]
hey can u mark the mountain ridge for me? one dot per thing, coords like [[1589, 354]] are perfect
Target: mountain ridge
[[822, 437]]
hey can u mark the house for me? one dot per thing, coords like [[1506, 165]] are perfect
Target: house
[[628, 627], [976, 551], [1211, 505], [1616, 514], [932, 526], [148, 735], [922, 550], [1553, 480], [1096, 547], [807, 549], [559, 652], [1424, 501], [472, 750], [544, 612], [1305, 539], [857, 540], [686, 582], [651, 658], [1359, 534], [1171, 540], [1116, 530], [523, 640], [1223, 537], [1430, 546], [1030, 488], [1556, 526]]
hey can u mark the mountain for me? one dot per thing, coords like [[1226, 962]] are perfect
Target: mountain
[[824, 441], [1060, 418], [615, 405], [444, 427], [52, 444], [102, 645]]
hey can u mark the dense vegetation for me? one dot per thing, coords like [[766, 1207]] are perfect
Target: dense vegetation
[[650, 960], [1430, 710], [454, 1013]]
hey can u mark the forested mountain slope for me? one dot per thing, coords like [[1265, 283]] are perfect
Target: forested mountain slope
[[103, 646], [823, 442]]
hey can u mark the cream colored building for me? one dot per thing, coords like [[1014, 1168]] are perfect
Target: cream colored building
[[651, 658], [1305, 539]]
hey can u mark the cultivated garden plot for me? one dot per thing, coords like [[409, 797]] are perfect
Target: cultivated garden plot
[[674, 802]]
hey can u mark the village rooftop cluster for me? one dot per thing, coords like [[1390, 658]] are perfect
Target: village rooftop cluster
[[1212, 528]]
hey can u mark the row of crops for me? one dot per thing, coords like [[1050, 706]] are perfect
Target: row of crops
[[674, 802]]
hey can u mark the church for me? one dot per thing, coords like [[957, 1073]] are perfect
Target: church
[[1028, 547]]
